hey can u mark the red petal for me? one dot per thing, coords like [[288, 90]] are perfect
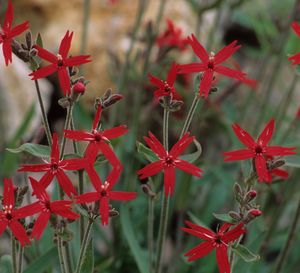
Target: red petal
[[191, 68], [181, 145], [281, 173], [7, 51], [261, 167], [40, 225], [77, 60], [115, 132], [199, 234], [206, 83], [243, 136], [159, 148], [151, 169], [226, 52], [230, 72], [172, 74], [88, 197], [8, 193], [43, 72], [122, 196], [295, 58], [39, 190], [234, 233], [238, 155], [27, 210], [199, 251], [55, 148], [222, 259], [114, 176], [64, 80], [209, 234], [17, 30], [109, 154], [79, 135], [19, 232], [63, 208], [97, 117], [65, 45], [296, 28], [188, 167], [73, 164], [104, 210], [65, 183], [279, 151], [34, 168], [9, 16], [198, 48], [169, 180], [47, 179], [267, 133], [94, 178], [156, 81], [47, 55], [224, 228], [91, 152]]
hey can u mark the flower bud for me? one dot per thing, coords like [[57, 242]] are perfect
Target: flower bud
[[255, 212], [234, 215], [250, 196], [147, 190], [238, 192], [113, 213], [79, 88]]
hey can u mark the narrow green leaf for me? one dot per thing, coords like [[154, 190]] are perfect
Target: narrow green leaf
[[224, 217], [31, 148], [193, 156], [5, 264], [39, 40], [245, 253], [292, 161], [129, 233], [148, 153], [88, 262], [43, 262]]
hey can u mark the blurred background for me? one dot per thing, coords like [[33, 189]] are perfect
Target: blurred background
[[121, 37]]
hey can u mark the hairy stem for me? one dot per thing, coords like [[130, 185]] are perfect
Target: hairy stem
[[61, 255], [150, 231], [44, 115], [20, 259], [13, 253]]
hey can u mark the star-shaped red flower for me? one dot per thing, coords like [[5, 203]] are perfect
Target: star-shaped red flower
[[296, 57], [218, 241], [47, 208], [166, 88], [172, 37], [258, 150], [56, 168], [104, 194], [59, 63], [210, 64], [168, 161], [7, 32], [9, 216]]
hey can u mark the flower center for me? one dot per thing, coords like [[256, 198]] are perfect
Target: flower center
[[98, 137], [211, 61], [218, 239], [169, 160], [167, 87], [258, 149], [54, 167], [59, 60], [46, 205], [8, 212], [104, 189]]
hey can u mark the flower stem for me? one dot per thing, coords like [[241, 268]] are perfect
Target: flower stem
[[150, 231], [61, 255], [13, 253], [69, 266], [288, 244], [165, 203], [44, 115], [20, 259], [190, 115], [84, 244]]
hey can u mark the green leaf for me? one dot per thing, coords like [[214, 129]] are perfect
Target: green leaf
[[43, 262], [31, 148], [39, 40], [88, 260], [193, 156], [224, 217], [148, 153], [292, 161], [130, 235], [245, 253], [5, 264]]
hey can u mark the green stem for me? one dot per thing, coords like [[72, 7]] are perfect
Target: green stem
[[61, 255], [190, 115], [44, 115], [13, 253], [150, 231], [67, 252], [165, 203], [84, 244], [20, 259], [288, 244]]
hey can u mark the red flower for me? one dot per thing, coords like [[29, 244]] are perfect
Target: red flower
[[166, 88], [258, 150], [104, 193], [59, 63], [296, 57], [46, 208], [297, 116], [56, 168], [9, 216], [168, 161], [210, 64], [218, 241], [7, 33], [98, 139], [172, 37]]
